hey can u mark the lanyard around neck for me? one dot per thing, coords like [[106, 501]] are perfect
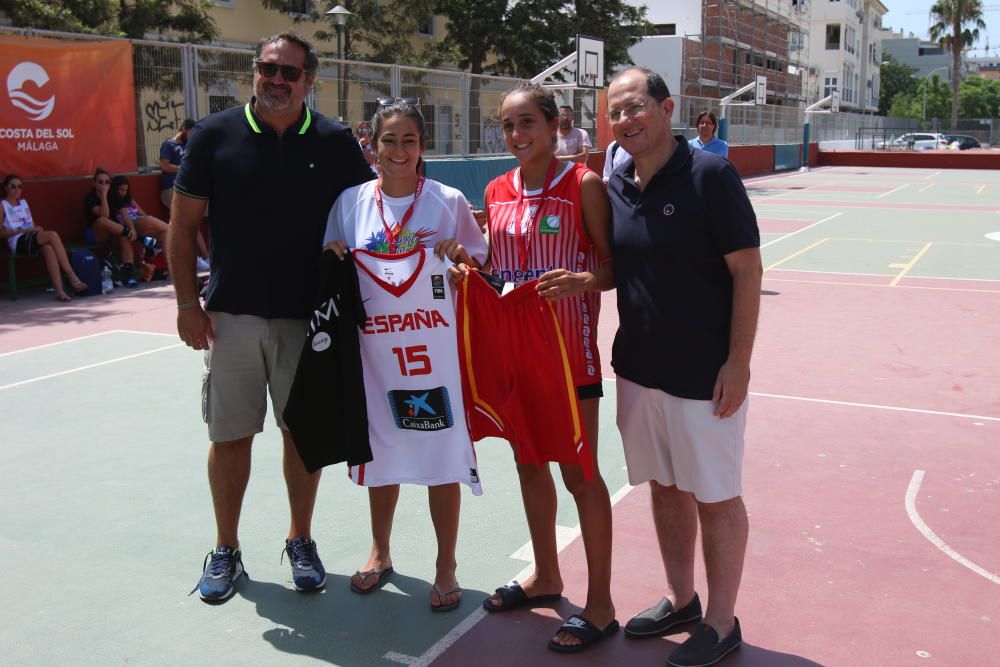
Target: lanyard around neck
[[391, 235], [522, 235]]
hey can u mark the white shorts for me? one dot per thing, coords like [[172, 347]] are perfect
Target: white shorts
[[250, 358], [678, 441]]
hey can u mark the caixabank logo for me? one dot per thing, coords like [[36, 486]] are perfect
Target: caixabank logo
[[36, 108], [421, 409]]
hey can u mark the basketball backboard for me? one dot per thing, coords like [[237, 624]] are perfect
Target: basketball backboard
[[589, 62]]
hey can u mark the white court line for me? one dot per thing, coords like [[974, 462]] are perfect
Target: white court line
[[145, 333], [930, 176], [446, 642], [78, 338], [88, 367], [58, 342], [400, 658], [925, 530], [904, 185], [874, 406], [799, 231]]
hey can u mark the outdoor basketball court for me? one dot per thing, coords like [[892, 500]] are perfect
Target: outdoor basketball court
[[872, 473]]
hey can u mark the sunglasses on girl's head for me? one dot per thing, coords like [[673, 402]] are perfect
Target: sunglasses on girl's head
[[289, 73], [389, 101]]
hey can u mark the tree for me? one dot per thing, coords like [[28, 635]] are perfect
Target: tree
[[951, 18], [187, 20], [895, 78], [385, 27], [930, 99], [979, 98]]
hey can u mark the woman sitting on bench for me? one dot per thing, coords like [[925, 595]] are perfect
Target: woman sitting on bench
[[24, 237], [127, 212], [101, 228]]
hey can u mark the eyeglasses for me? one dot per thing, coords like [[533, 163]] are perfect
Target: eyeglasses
[[104, 182], [13, 186], [631, 111], [289, 73], [389, 101]]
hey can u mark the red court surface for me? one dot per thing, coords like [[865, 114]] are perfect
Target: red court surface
[[837, 572]]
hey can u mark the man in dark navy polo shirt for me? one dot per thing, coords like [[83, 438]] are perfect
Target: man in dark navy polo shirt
[[687, 271], [271, 171]]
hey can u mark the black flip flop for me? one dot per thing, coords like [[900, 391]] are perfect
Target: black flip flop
[[383, 578], [442, 595], [512, 596], [588, 633]]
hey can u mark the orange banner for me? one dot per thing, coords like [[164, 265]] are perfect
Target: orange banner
[[68, 107]]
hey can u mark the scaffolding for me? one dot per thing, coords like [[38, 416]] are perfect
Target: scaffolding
[[743, 38]]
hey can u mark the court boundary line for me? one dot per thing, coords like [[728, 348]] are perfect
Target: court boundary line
[[799, 231], [470, 621], [910, 503], [79, 338], [884, 286], [87, 367], [904, 185], [888, 275], [796, 254], [875, 406]]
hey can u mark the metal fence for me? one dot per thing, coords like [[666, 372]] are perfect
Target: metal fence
[[176, 81]]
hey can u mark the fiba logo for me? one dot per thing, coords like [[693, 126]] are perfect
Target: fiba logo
[[28, 71]]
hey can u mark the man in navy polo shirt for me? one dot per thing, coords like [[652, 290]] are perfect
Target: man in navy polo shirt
[[688, 271], [271, 171]]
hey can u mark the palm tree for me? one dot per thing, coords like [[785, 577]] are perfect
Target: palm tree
[[951, 18]]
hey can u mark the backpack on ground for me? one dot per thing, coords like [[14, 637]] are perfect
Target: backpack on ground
[[88, 269]]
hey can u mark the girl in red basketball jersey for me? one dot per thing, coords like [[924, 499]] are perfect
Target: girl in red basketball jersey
[[549, 219]]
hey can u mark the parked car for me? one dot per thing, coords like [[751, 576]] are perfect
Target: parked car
[[962, 142], [921, 141]]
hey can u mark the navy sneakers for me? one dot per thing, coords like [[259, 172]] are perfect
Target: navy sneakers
[[308, 573], [222, 570]]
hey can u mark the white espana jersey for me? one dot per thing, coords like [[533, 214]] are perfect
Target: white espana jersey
[[441, 213], [413, 386]]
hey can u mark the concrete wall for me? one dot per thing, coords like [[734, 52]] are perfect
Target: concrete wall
[[914, 159]]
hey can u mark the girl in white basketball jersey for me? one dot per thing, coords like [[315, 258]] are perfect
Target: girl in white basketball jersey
[[395, 214], [549, 219]]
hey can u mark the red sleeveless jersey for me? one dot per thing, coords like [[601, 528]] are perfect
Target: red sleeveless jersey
[[556, 239]]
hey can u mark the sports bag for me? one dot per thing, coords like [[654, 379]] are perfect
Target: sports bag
[[87, 269]]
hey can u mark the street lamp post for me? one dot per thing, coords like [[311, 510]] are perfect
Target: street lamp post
[[340, 15], [925, 77]]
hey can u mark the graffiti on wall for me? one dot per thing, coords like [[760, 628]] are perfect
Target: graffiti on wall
[[493, 137], [164, 114]]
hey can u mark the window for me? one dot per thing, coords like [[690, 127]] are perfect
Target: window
[[849, 40], [226, 3], [829, 85], [426, 27], [300, 7], [796, 41], [665, 29], [832, 36]]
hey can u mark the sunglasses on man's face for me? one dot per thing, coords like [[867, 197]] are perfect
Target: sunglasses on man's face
[[389, 101], [289, 73]]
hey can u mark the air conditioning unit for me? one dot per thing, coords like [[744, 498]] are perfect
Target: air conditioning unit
[[813, 70]]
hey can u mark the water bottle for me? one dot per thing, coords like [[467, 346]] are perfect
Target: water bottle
[[106, 284]]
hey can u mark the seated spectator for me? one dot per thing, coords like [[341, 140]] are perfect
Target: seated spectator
[[706, 140], [127, 212], [24, 237], [171, 154], [101, 227]]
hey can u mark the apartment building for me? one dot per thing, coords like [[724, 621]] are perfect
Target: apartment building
[[926, 57], [709, 48], [845, 53]]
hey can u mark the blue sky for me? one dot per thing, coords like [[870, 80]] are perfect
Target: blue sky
[[912, 16]]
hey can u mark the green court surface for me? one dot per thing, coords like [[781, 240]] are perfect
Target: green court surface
[[107, 517], [106, 505]]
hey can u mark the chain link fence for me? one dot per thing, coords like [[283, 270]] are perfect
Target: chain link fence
[[177, 81]]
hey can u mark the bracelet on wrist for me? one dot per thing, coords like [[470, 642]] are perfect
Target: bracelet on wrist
[[189, 304]]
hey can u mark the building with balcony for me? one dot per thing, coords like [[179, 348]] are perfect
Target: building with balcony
[[845, 53]]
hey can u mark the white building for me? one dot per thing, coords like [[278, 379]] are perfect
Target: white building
[[845, 52]]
